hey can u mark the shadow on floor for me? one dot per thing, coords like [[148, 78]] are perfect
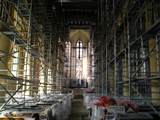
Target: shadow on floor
[[78, 112]]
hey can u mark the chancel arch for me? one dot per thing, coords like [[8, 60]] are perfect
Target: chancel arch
[[79, 73]]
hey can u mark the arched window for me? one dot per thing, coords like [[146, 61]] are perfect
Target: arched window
[[79, 60]]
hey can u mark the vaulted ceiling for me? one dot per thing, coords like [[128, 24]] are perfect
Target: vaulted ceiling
[[79, 34], [79, 17]]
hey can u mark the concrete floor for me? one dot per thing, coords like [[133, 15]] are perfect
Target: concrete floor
[[78, 112]]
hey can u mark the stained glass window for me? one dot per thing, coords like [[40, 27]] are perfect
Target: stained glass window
[[79, 60]]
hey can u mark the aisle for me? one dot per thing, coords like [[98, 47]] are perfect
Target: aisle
[[78, 112]]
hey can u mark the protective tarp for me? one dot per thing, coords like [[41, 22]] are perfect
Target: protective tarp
[[84, 97], [99, 103], [87, 100], [110, 101], [105, 102], [61, 112], [97, 112], [62, 107], [58, 112], [129, 106], [68, 105]]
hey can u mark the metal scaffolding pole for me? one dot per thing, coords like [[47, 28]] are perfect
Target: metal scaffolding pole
[[29, 51], [129, 64], [115, 50]]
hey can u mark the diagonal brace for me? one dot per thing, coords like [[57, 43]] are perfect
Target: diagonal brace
[[10, 97], [6, 54], [145, 58], [9, 93]]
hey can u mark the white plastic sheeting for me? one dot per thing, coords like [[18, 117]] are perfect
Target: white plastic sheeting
[[97, 111], [54, 106], [87, 100], [62, 107]]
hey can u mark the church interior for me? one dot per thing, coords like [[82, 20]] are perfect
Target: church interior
[[79, 59]]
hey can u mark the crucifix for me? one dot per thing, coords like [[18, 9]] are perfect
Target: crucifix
[[79, 56]]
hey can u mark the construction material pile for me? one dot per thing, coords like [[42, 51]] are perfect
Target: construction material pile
[[106, 102]]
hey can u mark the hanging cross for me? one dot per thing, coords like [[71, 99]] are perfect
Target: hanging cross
[[79, 49]]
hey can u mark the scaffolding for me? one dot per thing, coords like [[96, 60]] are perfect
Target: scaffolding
[[127, 53], [35, 60]]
